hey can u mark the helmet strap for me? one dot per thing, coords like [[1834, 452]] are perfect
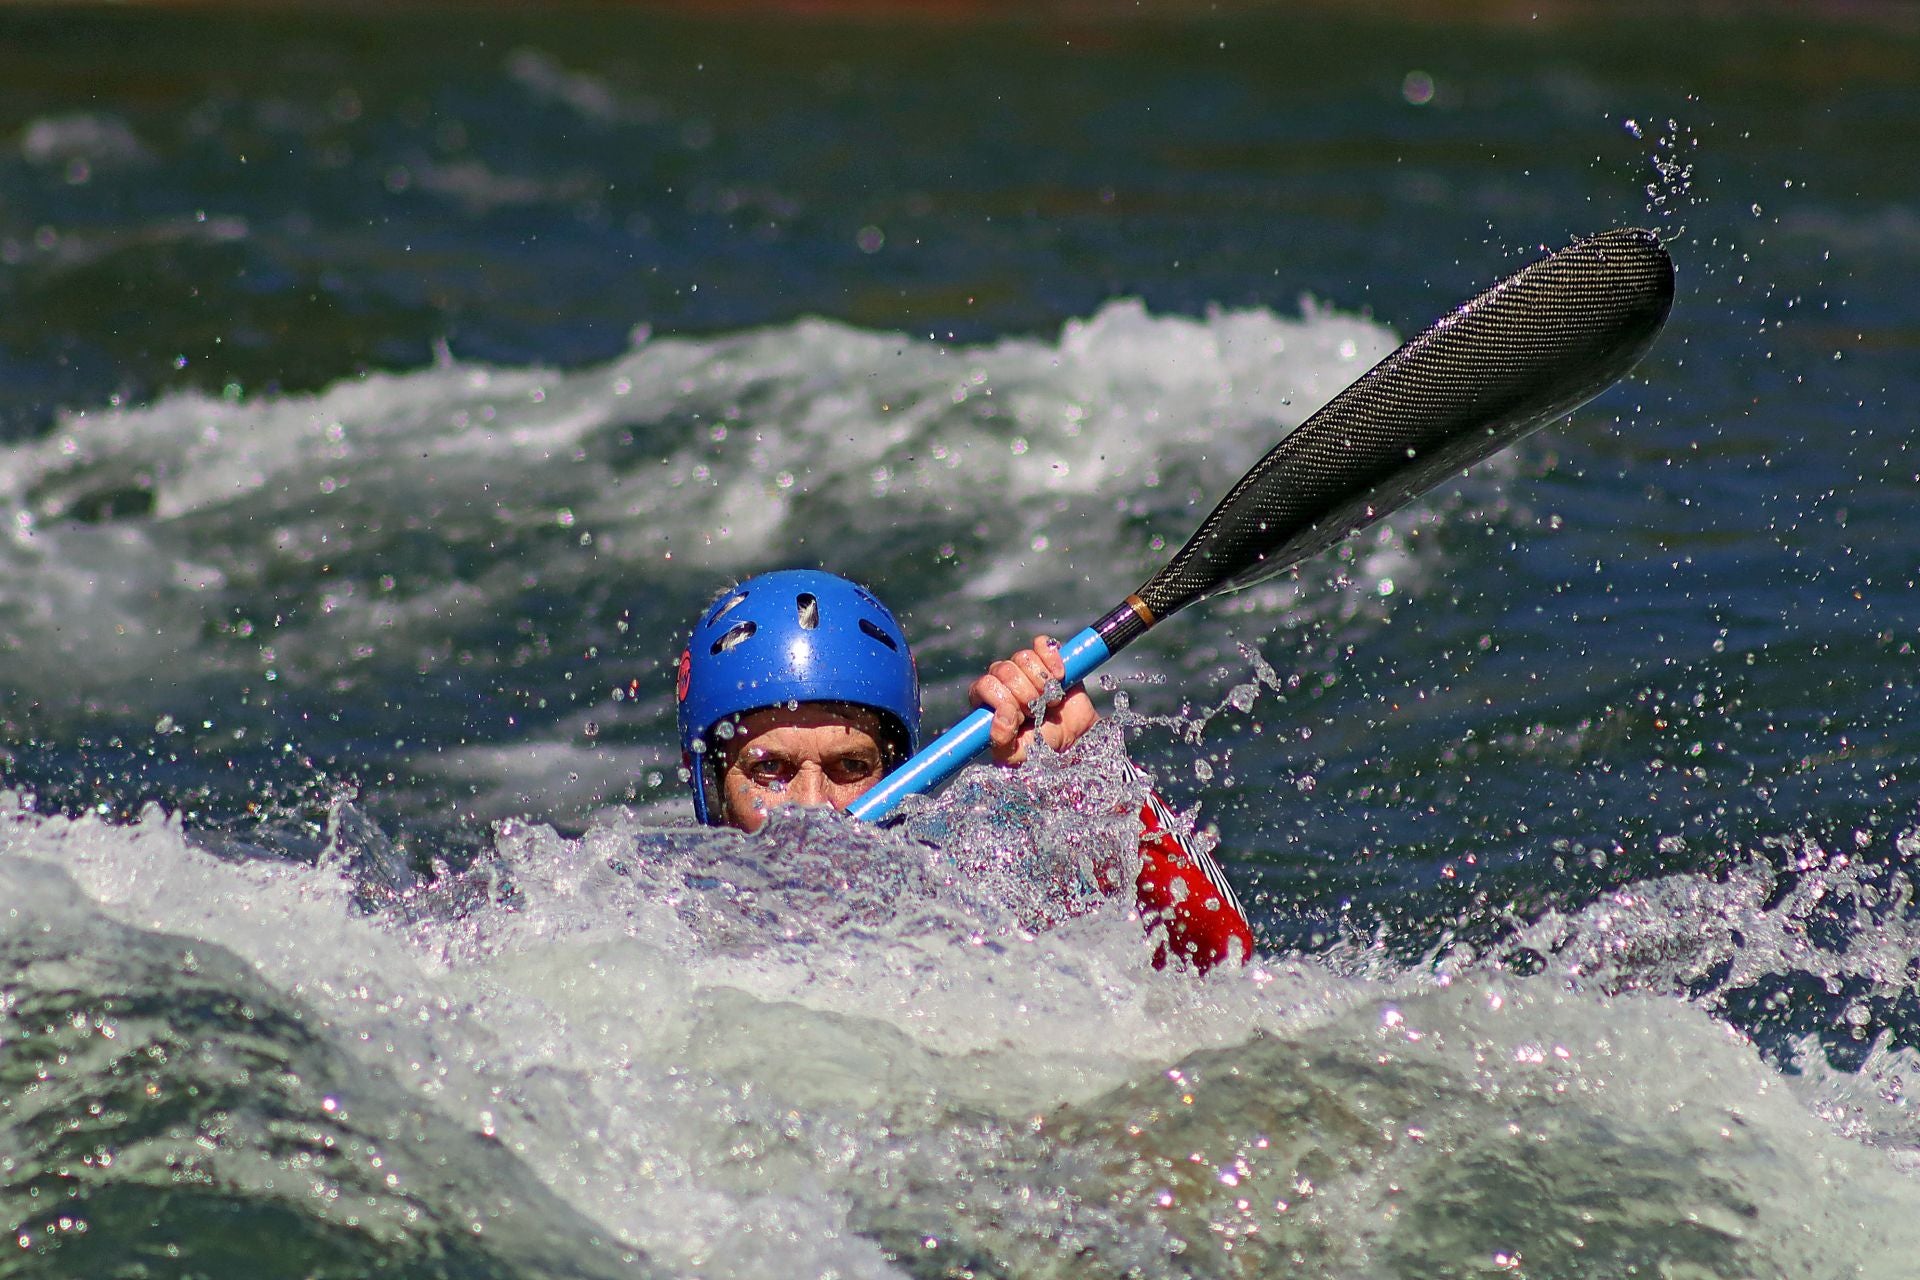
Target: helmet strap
[[706, 771]]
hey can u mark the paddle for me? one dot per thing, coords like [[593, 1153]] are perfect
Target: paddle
[[1531, 349]]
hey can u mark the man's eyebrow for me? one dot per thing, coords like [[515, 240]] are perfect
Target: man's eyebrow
[[762, 751]]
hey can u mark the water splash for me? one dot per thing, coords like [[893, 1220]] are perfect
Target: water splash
[[681, 1051], [1673, 156]]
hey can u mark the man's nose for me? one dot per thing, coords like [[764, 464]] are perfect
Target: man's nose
[[809, 787]]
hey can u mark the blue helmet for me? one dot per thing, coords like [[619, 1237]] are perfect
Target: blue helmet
[[795, 635]]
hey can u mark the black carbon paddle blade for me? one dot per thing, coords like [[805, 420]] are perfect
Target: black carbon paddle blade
[[1527, 351]]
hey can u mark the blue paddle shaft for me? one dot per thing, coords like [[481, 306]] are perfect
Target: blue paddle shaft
[[949, 753]]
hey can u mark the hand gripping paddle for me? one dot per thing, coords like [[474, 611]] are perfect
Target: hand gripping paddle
[[1531, 349]]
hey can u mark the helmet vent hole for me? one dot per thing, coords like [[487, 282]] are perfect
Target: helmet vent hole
[[724, 608], [879, 635], [809, 610], [738, 632]]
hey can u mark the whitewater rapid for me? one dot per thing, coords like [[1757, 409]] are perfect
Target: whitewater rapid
[[820, 1051]]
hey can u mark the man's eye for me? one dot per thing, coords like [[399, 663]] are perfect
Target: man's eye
[[854, 768], [766, 772]]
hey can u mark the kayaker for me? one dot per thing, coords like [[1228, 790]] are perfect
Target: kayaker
[[798, 687]]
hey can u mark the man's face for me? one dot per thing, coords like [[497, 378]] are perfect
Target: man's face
[[807, 755]]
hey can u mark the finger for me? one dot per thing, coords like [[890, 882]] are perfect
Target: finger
[[1035, 668], [1048, 650], [1009, 713], [1017, 679]]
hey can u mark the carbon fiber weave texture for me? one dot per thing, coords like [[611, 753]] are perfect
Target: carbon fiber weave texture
[[1527, 351]]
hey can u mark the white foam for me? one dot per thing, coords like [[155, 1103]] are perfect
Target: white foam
[[710, 1045], [393, 522], [95, 138], [584, 93]]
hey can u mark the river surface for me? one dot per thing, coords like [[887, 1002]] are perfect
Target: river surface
[[383, 390]]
